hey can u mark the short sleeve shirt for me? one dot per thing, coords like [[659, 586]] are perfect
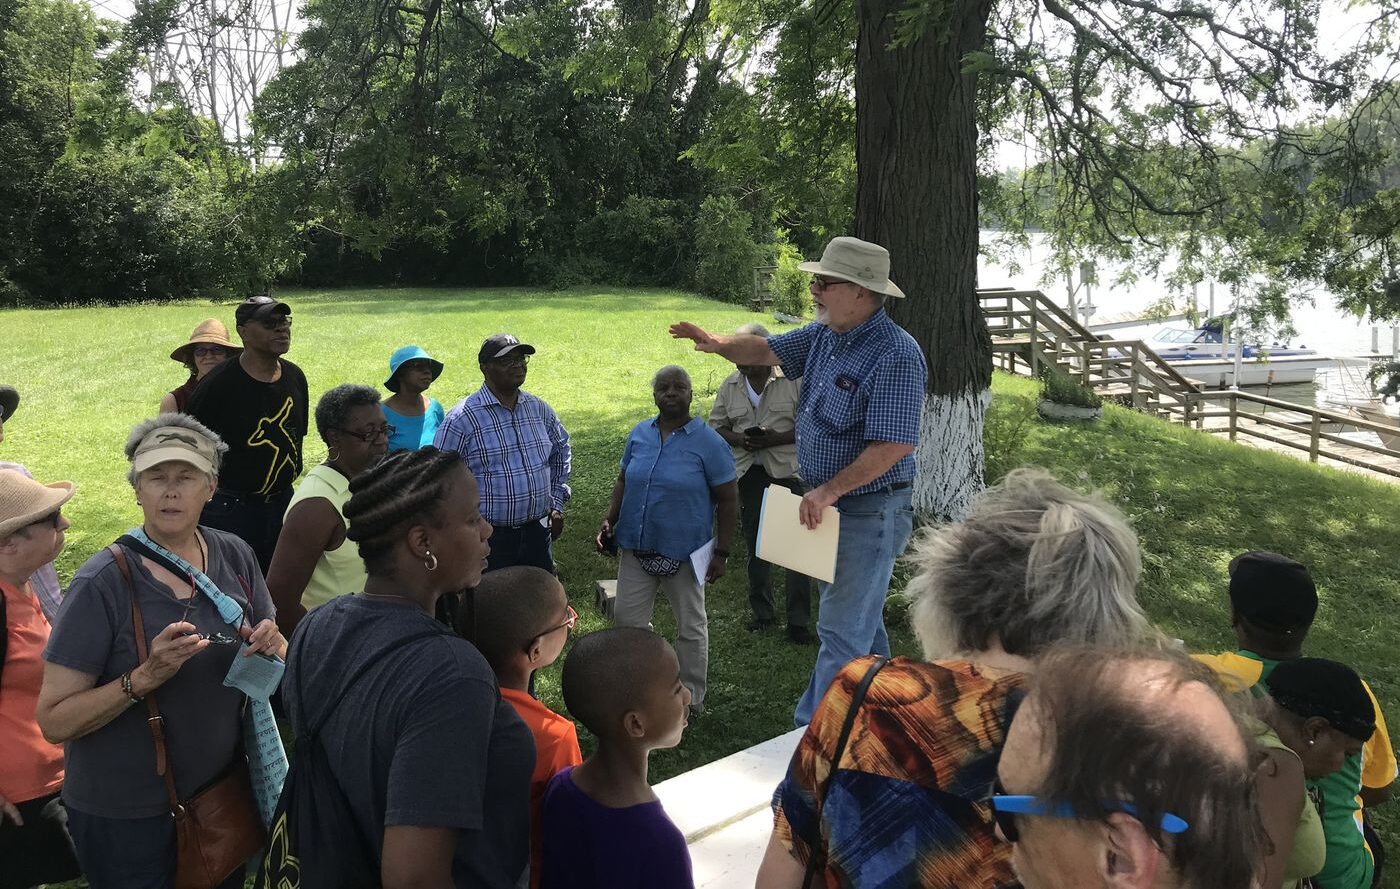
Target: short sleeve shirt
[[556, 748], [424, 738], [776, 411], [30, 766], [908, 804], [111, 772], [667, 506], [865, 385], [590, 846], [263, 425]]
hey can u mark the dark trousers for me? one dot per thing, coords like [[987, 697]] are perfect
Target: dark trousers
[[526, 544], [130, 853], [256, 520], [799, 586], [39, 851]]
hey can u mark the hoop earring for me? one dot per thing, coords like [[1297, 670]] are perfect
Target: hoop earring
[[332, 455], [430, 562]]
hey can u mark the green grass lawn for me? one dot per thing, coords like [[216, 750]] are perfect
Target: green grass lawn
[[87, 375]]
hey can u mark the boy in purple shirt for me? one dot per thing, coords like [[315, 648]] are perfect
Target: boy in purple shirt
[[603, 827]]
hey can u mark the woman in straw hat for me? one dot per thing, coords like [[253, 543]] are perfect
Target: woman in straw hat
[[44, 582], [200, 603], [34, 843], [209, 346]]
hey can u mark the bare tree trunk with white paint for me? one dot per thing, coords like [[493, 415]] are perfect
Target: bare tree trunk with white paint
[[916, 194]]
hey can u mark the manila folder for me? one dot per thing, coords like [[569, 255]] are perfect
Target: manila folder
[[783, 540]]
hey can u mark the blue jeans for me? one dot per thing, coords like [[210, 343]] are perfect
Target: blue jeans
[[257, 521], [528, 544], [875, 528]]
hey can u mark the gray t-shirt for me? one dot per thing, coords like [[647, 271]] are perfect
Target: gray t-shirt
[[424, 738], [112, 771]]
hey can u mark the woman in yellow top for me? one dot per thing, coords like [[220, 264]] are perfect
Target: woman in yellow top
[[313, 562]]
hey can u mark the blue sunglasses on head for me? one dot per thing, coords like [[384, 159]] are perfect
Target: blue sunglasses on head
[[1005, 808]]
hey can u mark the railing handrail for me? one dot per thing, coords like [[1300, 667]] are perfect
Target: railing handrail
[[1323, 413]]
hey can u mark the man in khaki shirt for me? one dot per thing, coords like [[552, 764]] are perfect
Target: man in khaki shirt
[[755, 412]]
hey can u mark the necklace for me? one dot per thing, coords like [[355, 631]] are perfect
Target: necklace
[[390, 596]]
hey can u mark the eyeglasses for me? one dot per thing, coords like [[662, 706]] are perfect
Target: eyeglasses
[[372, 433], [820, 284], [568, 623], [210, 351], [1005, 808], [276, 322], [211, 638], [51, 520], [512, 361]]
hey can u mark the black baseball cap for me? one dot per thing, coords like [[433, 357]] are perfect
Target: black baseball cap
[[501, 345], [1272, 592], [1314, 686], [9, 402], [255, 308]]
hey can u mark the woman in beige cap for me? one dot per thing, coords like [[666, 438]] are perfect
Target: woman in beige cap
[[34, 842], [196, 595], [209, 346]]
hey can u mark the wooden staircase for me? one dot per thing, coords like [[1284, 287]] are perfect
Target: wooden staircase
[[1029, 331]]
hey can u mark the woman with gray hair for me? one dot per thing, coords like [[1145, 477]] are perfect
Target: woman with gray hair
[[905, 802], [313, 562], [136, 666], [675, 494]]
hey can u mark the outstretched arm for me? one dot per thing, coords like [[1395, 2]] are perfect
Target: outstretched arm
[[740, 348]]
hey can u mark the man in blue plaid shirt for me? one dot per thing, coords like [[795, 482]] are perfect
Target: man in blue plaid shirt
[[518, 451], [863, 380]]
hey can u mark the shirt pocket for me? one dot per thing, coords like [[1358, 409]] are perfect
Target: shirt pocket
[[839, 409]]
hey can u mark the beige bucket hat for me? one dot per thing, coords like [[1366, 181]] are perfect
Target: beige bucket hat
[[857, 261], [210, 332], [24, 501]]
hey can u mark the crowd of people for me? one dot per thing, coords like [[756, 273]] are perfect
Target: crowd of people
[[393, 603]]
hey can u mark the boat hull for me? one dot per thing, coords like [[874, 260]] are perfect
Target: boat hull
[[1217, 372], [1377, 414]]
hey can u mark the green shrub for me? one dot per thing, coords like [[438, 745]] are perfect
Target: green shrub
[[789, 285], [725, 251], [1061, 388], [1004, 434], [1385, 379]]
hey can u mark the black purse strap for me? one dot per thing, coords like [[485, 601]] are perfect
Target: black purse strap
[[857, 698]]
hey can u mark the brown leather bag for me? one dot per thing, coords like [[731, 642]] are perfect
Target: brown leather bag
[[218, 829]]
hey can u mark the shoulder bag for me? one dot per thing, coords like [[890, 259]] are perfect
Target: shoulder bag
[[218, 829], [816, 861]]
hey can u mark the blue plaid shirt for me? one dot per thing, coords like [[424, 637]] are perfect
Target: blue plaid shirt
[[858, 387], [521, 458]]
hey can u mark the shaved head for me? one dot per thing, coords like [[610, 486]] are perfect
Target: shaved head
[[611, 672]]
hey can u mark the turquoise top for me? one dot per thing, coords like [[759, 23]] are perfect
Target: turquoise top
[[412, 433]]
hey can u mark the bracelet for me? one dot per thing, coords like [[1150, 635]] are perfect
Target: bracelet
[[126, 688]]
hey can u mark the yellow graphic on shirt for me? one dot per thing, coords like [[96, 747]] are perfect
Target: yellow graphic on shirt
[[280, 868], [272, 432]]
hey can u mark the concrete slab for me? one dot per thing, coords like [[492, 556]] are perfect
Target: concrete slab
[[723, 810]]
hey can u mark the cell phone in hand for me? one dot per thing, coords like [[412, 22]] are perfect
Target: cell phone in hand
[[608, 542]]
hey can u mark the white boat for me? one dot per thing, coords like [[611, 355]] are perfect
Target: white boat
[[1376, 413], [1201, 354]]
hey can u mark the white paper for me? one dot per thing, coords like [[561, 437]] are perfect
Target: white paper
[[784, 540], [700, 560]]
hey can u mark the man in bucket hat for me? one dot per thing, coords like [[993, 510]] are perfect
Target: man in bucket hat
[[863, 380], [258, 404], [44, 581], [519, 452], [35, 846]]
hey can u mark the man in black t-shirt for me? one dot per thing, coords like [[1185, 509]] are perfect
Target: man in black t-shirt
[[258, 404]]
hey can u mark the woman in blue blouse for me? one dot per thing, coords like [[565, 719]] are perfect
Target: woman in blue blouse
[[675, 493], [413, 417]]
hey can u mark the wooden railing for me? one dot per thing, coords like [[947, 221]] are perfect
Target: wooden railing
[[1308, 432], [1028, 329]]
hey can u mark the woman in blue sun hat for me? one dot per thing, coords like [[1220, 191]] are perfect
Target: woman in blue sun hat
[[412, 416]]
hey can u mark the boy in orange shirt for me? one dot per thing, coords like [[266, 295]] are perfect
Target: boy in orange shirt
[[520, 619]]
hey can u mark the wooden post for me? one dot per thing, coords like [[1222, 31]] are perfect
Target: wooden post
[[1234, 415], [1316, 441], [1033, 311]]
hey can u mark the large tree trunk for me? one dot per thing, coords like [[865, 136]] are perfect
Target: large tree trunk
[[916, 195]]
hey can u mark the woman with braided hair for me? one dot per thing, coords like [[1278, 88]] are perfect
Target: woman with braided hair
[[434, 765]]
